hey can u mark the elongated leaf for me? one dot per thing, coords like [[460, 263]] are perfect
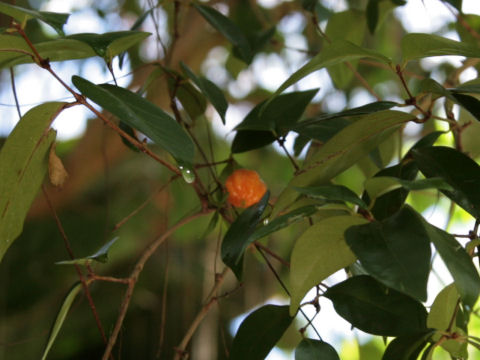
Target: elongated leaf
[[21, 15], [407, 347], [372, 307], [141, 115], [457, 169], [470, 103], [458, 262], [332, 193], [259, 332], [372, 15], [211, 91], [239, 235], [110, 44], [416, 46], [343, 150], [395, 251], [310, 349], [318, 253], [62, 314], [283, 221], [14, 50], [23, 165], [228, 29], [338, 52], [101, 255], [380, 185]]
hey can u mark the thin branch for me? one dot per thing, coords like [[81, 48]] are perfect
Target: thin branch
[[14, 92], [281, 142], [272, 254]]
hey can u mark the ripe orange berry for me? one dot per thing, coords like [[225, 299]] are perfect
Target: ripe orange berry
[[244, 188]]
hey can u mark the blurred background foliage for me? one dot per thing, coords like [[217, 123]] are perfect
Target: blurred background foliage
[[108, 181]]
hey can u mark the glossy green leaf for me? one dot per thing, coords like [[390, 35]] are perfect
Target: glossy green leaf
[[457, 169], [459, 264], [343, 150], [338, 52], [21, 15], [380, 185], [396, 251], [239, 235], [211, 91], [417, 46], [110, 44], [271, 120], [310, 349], [14, 50], [376, 309], [141, 115], [23, 165], [332, 193], [101, 255], [283, 221], [259, 333], [318, 253], [62, 314], [228, 29], [407, 347], [470, 103]]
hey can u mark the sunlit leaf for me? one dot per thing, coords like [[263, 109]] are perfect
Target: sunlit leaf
[[239, 235], [259, 332], [396, 251], [372, 307], [23, 165], [318, 253], [141, 115], [310, 349], [101, 255], [61, 315]]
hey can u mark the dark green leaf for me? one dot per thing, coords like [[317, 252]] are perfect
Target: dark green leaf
[[23, 165], [458, 262], [372, 307], [396, 251], [259, 333], [283, 221], [456, 3], [101, 255], [228, 29], [470, 103], [322, 130], [380, 185], [210, 90], [372, 15], [239, 235], [129, 130], [399, 2], [309, 5], [21, 15], [332, 193], [310, 349], [246, 140], [407, 347], [62, 314], [141, 115], [457, 169]]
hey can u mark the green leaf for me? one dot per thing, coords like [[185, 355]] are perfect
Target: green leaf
[[271, 120], [228, 29], [379, 185], [470, 103], [141, 115], [14, 50], [23, 165], [417, 46], [372, 15], [259, 332], [396, 251], [318, 253], [332, 193], [239, 235], [457, 169], [211, 91], [110, 44], [310, 349], [101, 255], [376, 309], [458, 262], [21, 15], [343, 150], [407, 347], [283, 221], [338, 52], [62, 314]]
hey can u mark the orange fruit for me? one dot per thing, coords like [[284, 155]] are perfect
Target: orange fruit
[[245, 188]]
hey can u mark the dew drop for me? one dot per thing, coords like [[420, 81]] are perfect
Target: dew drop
[[265, 222], [187, 174]]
